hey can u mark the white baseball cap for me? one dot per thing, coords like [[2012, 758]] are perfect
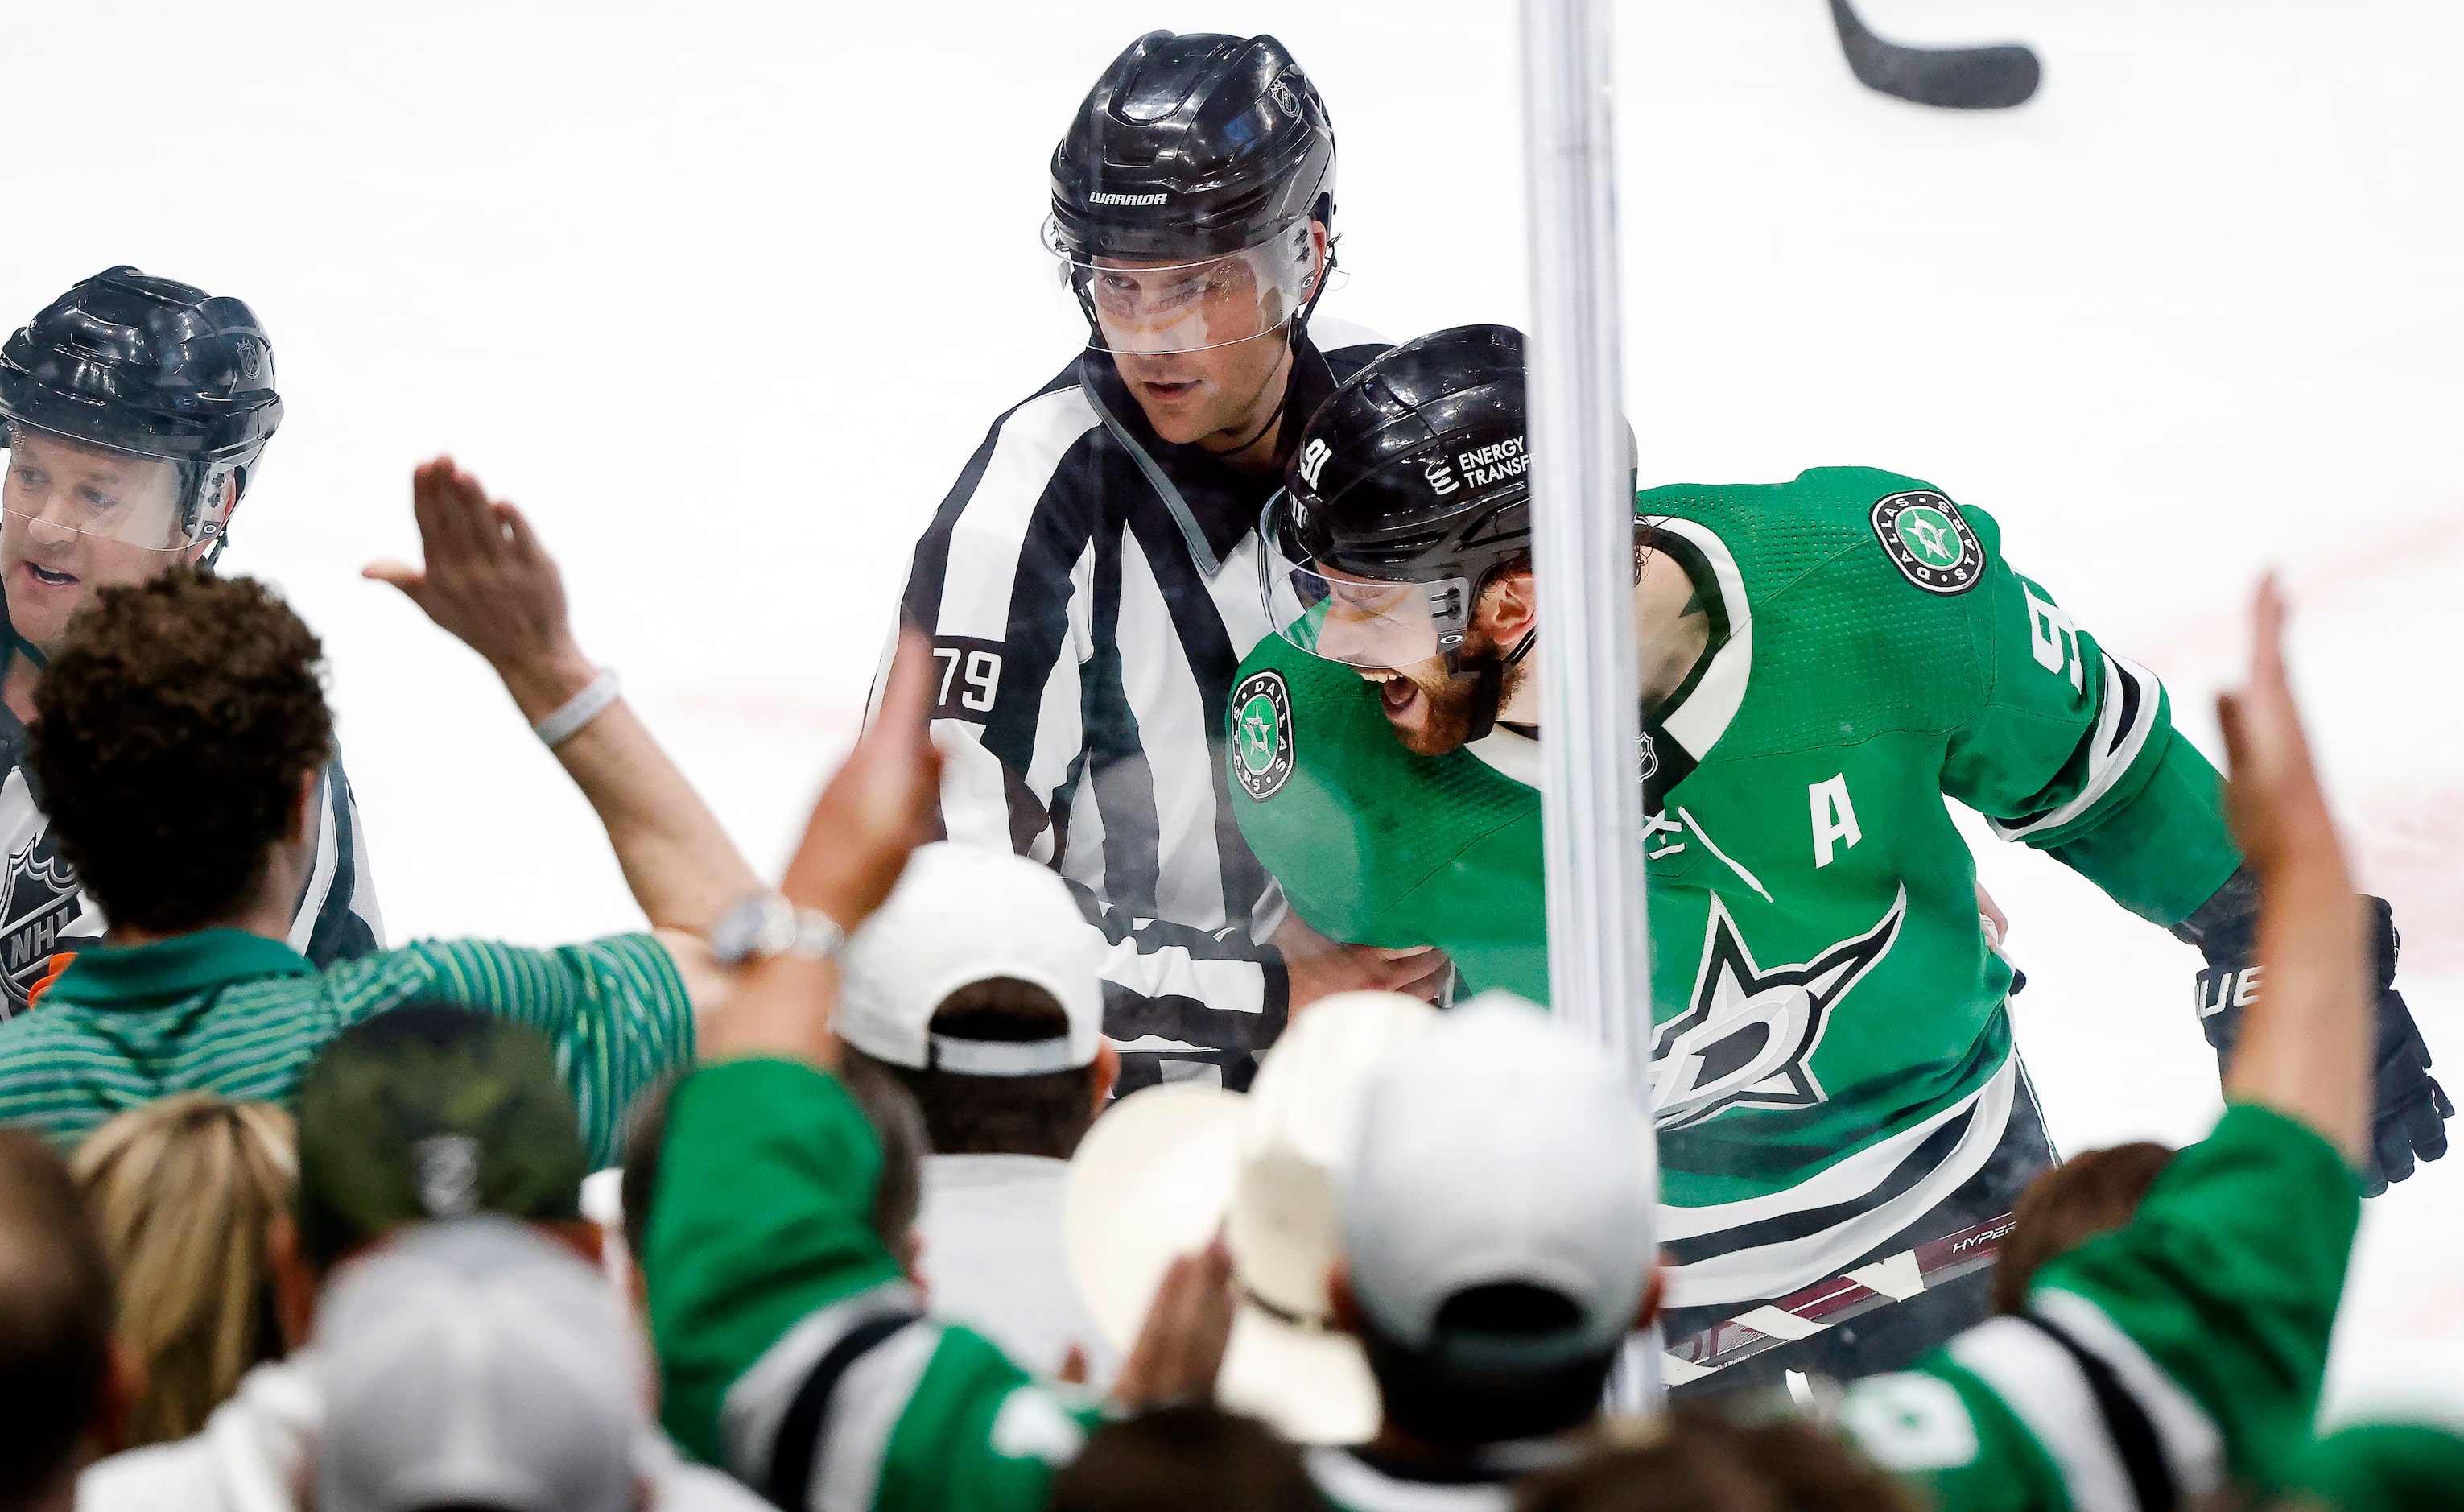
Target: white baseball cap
[[473, 1363], [963, 914], [1498, 1148], [1166, 1168]]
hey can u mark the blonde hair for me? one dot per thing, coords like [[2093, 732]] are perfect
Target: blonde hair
[[182, 1192]]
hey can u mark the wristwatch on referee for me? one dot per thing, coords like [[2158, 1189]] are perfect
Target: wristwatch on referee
[[767, 924]]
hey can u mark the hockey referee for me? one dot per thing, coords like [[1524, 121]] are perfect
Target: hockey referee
[[1090, 583]]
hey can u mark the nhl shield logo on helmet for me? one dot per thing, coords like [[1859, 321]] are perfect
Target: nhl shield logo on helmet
[[1928, 541], [1262, 734]]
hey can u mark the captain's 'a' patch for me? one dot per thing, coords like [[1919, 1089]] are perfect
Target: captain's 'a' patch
[[1928, 542], [1748, 1036]]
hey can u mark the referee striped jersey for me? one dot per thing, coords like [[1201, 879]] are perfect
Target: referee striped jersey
[[45, 917], [1089, 591], [225, 1012]]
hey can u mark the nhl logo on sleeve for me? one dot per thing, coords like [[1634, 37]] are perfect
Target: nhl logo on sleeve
[[1262, 734], [1928, 542]]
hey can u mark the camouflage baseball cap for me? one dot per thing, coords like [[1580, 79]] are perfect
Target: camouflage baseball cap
[[432, 1111]]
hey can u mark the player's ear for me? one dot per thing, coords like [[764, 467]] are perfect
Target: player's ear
[[303, 807], [1508, 607]]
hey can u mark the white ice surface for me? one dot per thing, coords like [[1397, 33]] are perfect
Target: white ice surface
[[725, 296]]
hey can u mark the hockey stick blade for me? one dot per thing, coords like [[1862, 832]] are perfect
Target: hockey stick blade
[[1947, 77]]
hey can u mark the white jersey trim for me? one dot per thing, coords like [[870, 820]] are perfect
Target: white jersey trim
[[2194, 1447], [1704, 716], [2041, 1385], [984, 540], [1775, 1270], [864, 1412], [2113, 748]]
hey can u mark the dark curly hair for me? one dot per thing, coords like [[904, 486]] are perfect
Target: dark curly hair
[[172, 733]]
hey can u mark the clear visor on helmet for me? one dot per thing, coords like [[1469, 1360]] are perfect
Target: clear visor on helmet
[[57, 492], [1151, 308], [1358, 621]]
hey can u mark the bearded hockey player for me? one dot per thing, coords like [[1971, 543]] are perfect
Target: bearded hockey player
[[1823, 663], [134, 410]]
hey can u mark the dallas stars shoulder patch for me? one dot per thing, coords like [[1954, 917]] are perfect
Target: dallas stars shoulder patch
[[1262, 734], [1926, 539]]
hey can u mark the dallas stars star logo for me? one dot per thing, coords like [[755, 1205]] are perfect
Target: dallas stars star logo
[[1747, 1040]]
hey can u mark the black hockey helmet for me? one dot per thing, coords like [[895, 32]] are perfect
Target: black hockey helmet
[[149, 367], [1184, 190], [1408, 492], [1192, 146], [1417, 467]]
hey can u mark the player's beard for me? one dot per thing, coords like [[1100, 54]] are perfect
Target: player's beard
[[1436, 718]]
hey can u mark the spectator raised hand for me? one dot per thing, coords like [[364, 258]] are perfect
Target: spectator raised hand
[[2307, 1053], [488, 581], [871, 815]]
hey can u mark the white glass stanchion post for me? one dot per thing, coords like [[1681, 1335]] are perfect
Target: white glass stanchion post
[[1599, 969]]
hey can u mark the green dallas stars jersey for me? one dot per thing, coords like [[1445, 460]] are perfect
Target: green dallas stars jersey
[[1832, 1052], [2156, 1364]]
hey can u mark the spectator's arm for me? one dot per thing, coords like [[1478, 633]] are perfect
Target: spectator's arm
[[2188, 1346], [876, 810], [490, 582], [2305, 1043]]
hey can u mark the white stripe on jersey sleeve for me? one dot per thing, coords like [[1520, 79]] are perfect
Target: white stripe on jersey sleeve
[[975, 791], [321, 876], [2042, 1385], [2113, 748], [1238, 599], [1163, 696], [986, 537], [2192, 1445], [364, 880], [756, 1405], [1061, 718], [864, 1412]]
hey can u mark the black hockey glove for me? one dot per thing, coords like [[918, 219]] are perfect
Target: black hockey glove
[[2407, 1120]]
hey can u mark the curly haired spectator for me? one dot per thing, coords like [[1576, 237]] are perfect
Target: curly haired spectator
[[233, 689], [184, 1193]]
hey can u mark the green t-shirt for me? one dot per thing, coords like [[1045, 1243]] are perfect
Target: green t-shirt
[[766, 1278], [2187, 1347], [2385, 1467], [222, 1011], [1831, 1051]]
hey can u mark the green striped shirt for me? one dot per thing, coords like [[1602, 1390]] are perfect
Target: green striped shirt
[[222, 1011]]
